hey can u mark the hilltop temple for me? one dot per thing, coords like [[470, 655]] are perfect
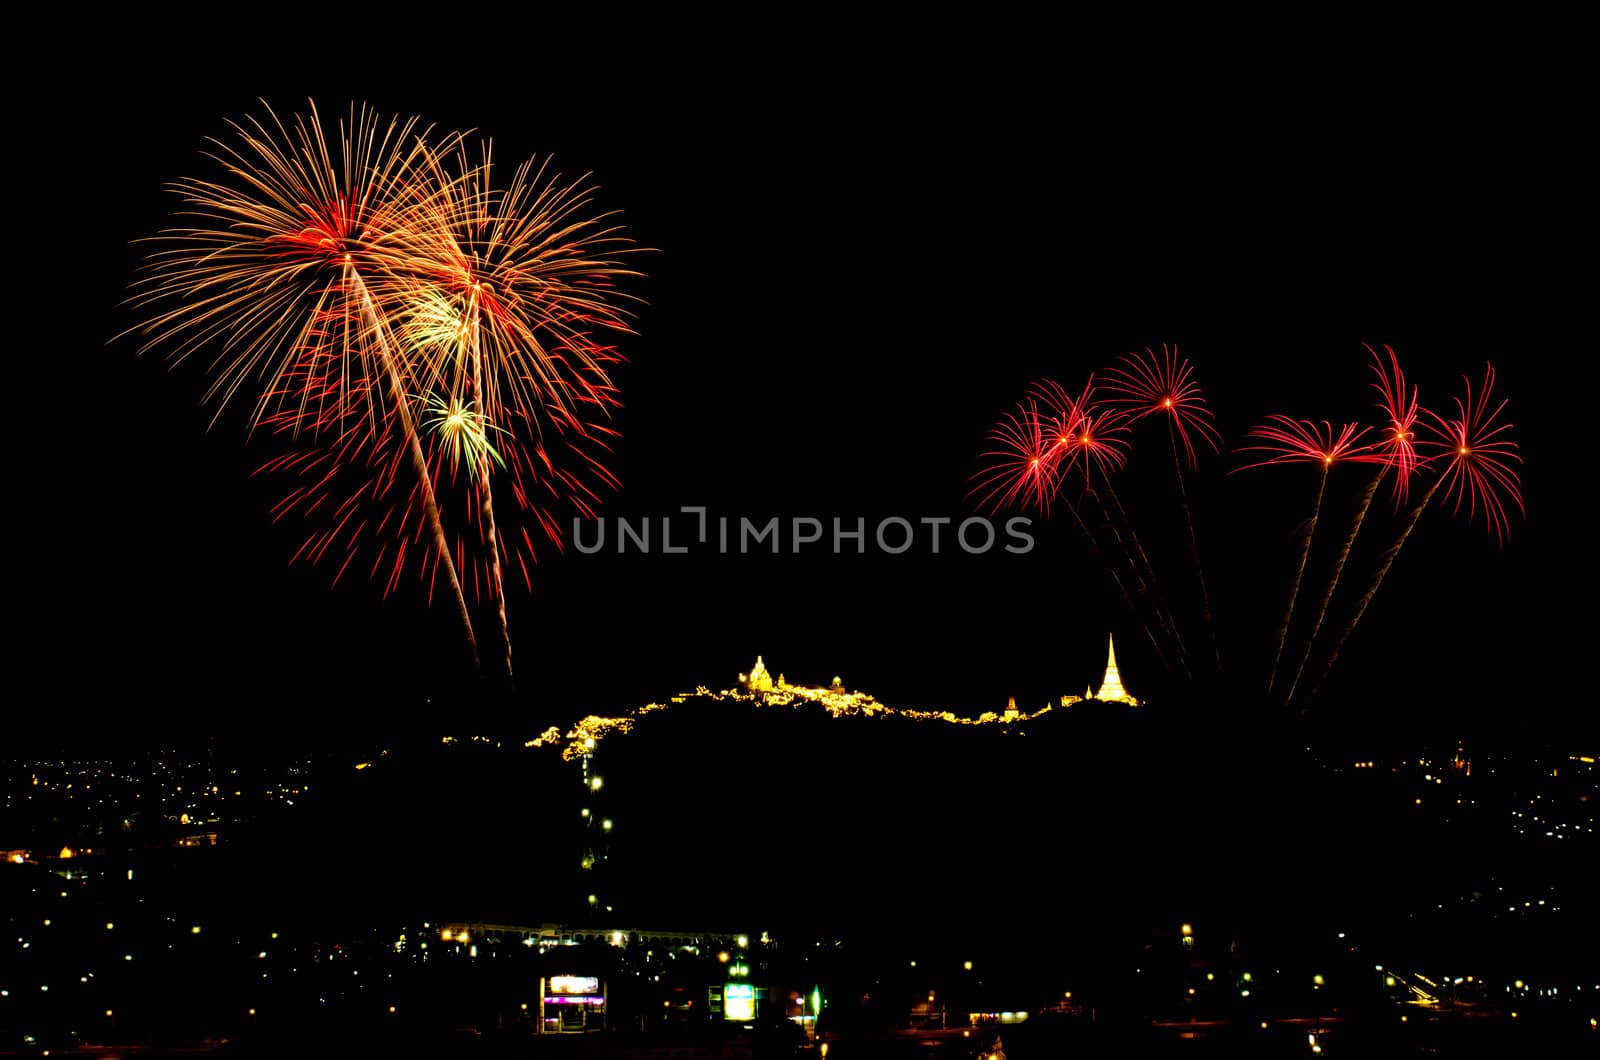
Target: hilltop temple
[[759, 681]]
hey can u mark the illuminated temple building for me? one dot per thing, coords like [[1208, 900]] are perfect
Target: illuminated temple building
[[1110, 690]]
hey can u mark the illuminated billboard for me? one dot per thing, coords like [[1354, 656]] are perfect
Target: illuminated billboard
[[739, 1001], [573, 984]]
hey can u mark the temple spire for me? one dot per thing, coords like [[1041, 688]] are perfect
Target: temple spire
[[1111, 690]]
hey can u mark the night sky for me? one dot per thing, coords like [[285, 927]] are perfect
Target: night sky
[[855, 272]]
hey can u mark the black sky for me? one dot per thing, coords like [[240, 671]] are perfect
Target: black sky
[[857, 270]]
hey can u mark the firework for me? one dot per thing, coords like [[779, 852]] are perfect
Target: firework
[[269, 267], [274, 266], [408, 329], [1087, 436], [1475, 458], [1292, 441], [464, 434], [517, 282], [1397, 444], [1163, 385], [1395, 450], [1020, 469]]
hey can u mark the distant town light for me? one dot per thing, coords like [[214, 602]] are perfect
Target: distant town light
[[967, 965]]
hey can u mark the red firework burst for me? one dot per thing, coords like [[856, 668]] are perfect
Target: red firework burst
[[1162, 384], [1085, 435], [1475, 457], [1021, 466], [1292, 441], [1397, 442]]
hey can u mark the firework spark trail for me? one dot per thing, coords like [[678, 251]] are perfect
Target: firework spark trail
[[1476, 456], [1090, 439], [1206, 615], [1384, 563], [1094, 440], [1333, 580], [1292, 441], [1145, 591], [1097, 554], [1163, 385], [1397, 449], [419, 462], [1163, 609], [1307, 532], [486, 495]]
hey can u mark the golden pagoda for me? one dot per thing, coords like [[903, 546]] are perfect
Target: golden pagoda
[[1111, 690]]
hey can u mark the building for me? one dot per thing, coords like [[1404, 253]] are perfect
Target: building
[[1110, 690]]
